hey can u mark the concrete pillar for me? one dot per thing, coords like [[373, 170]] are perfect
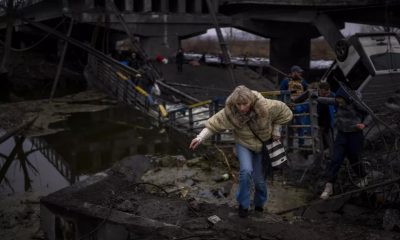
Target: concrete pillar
[[146, 6], [181, 6], [197, 6], [165, 46], [163, 7], [129, 5], [193, 6], [290, 50], [216, 5], [140, 6]]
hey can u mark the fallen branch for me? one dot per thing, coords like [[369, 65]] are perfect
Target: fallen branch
[[227, 163]]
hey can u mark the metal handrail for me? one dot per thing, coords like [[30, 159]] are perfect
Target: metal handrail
[[190, 119]]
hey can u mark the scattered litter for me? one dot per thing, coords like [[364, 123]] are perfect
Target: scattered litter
[[222, 178], [214, 219]]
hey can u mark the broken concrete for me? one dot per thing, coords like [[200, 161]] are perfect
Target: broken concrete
[[116, 205]]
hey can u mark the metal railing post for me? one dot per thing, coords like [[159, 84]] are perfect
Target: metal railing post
[[314, 126], [191, 119]]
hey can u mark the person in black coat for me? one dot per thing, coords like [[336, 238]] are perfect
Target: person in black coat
[[179, 59], [350, 121]]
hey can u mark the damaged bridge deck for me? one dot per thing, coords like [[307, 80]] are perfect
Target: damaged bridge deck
[[116, 205]]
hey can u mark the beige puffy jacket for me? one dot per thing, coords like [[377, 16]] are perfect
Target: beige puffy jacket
[[268, 113]]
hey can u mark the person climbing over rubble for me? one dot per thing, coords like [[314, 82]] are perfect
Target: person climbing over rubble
[[350, 121], [296, 84], [248, 113]]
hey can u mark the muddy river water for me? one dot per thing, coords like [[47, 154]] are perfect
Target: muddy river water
[[90, 142]]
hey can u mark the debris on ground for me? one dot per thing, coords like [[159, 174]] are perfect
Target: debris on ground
[[170, 201]]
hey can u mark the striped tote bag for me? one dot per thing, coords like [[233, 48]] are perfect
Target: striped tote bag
[[276, 152]]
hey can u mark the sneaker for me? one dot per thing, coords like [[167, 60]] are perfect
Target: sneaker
[[363, 182], [259, 209], [328, 191], [243, 212]]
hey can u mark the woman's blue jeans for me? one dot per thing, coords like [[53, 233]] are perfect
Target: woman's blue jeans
[[250, 171]]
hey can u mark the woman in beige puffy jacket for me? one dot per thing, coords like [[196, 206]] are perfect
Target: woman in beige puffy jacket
[[246, 110]]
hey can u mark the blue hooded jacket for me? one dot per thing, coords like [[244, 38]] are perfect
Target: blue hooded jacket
[[342, 93]]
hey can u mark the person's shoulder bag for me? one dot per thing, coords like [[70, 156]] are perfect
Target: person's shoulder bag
[[273, 153]]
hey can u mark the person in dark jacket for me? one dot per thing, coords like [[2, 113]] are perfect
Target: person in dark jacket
[[350, 120], [326, 114], [179, 59], [147, 82]]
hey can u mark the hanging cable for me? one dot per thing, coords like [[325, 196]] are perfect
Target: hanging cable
[[83, 46], [61, 63], [38, 42]]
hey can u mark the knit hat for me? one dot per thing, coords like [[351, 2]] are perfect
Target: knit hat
[[296, 68]]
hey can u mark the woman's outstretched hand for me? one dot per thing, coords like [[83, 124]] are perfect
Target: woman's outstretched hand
[[195, 143]]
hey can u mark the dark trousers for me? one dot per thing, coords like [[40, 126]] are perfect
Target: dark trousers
[[179, 67], [347, 144], [326, 141]]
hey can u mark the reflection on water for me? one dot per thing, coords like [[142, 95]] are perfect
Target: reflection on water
[[24, 167], [91, 143]]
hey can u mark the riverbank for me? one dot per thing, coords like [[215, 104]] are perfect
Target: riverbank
[[256, 48]]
